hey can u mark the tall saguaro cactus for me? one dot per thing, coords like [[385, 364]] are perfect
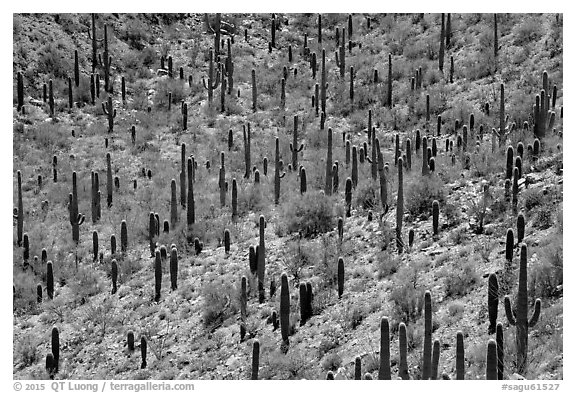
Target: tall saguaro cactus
[[323, 83], [460, 356], [76, 219], [427, 350], [247, 158], [109, 184], [255, 359], [20, 88], [384, 370], [213, 80], [400, 207], [328, 184], [190, 208], [389, 93], [277, 175], [261, 265], [110, 113], [284, 308], [254, 91], [492, 302], [294, 145], [441, 51], [519, 318], [222, 185], [19, 214]]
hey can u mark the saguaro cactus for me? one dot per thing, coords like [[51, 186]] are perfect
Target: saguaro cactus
[[109, 181], [183, 175], [254, 91], [460, 356], [492, 361], [294, 145], [173, 203], [354, 166], [110, 113], [425, 169], [173, 268], [56, 347], [340, 277], [492, 302], [502, 114], [19, 214], [152, 233], [261, 260], [435, 359], [51, 98], [400, 206], [389, 92], [213, 80], [500, 349], [441, 51], [255, 358], [402, 343], [143, 350], [328, 186], [303, 185], [76, 219], [323, 83], [157, 275], [384, 369], [20, 88], [348, 196], [277, 175], [234, 199], [222, 185], [114, 276], [284, 308], [190, 212], [95, 198], [247, 158], [435, 216], [520, 317], [50, 280], [427, 349]]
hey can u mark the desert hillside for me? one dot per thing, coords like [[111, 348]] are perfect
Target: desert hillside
[[287, 196]]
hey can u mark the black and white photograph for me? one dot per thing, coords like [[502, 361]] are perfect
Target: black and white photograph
[[286, 196]]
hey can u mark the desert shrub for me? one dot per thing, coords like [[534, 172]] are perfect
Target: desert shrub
[[218, 303], [546, 273], [461, 279], [533, 197], [367, 194], [53, 60], [387, 264], [168, 85], [148, 56], [527, 32], [86, 283], [407, 296], [332, 361], [292, 365], [309, 214], [543, 217], [134, 33], [300, 255], [456, 309], [26, 350], [25, 295], [420, 193]]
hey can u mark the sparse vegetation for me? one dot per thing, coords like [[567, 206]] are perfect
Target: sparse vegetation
[[199, 124]]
